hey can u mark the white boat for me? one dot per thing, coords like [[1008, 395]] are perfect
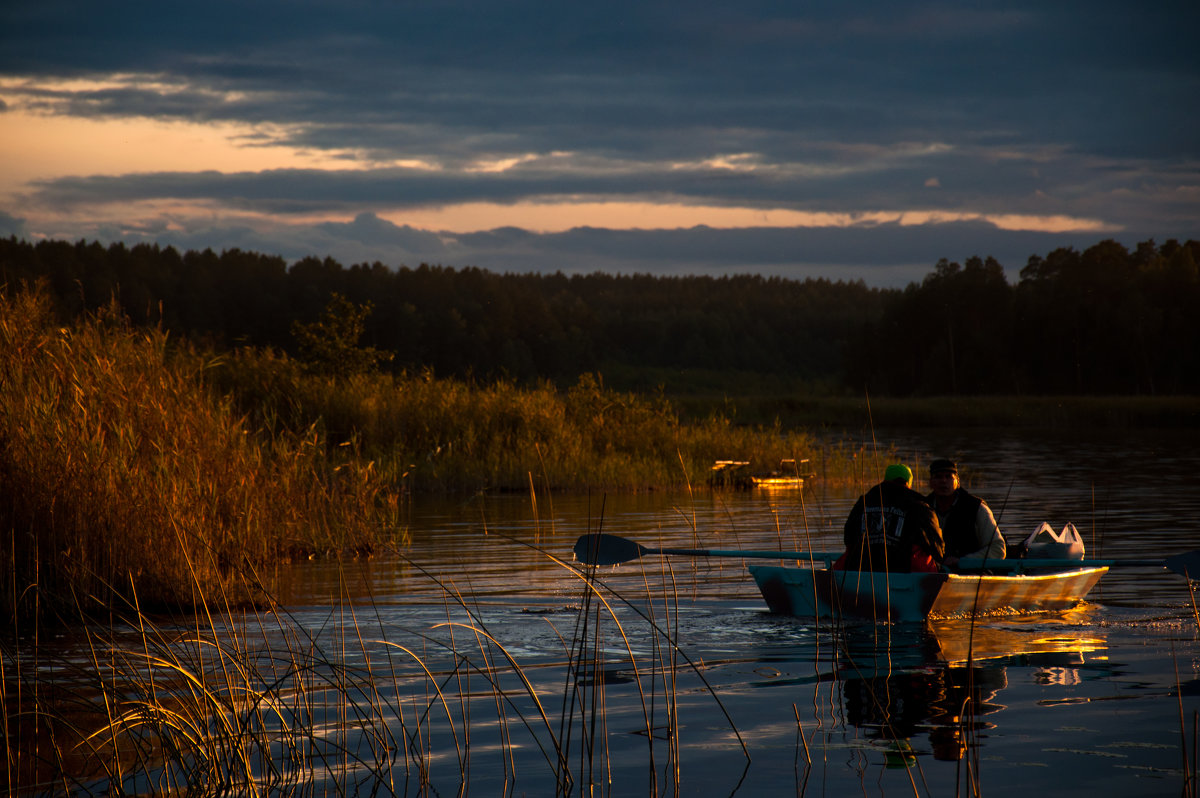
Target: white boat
[[1041, 580], [900, 597], [1051, 575]]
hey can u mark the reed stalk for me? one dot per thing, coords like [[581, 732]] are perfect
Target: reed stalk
[[121, 469]]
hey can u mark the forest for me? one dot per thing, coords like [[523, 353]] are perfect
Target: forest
[[1104, 321]]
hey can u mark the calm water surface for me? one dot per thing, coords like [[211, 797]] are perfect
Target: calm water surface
[[1100, 700]]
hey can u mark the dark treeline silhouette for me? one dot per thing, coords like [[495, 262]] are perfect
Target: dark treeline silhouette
[[1106, 320], [1102, 321], [468, 321]]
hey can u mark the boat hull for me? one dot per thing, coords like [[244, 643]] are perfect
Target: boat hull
[[899, 597]]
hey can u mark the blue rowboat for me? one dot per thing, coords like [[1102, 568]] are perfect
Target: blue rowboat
[[901, 597], [1042, 580]]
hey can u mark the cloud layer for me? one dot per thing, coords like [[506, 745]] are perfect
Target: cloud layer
[[893, 134]]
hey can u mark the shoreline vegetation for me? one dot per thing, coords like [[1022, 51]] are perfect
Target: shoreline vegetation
[[143, 471], [142, 468], [144, 474]]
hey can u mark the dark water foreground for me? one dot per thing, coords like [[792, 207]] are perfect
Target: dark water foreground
[[471, 662]]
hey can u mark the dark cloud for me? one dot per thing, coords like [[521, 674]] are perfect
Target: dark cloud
[[562, 75], [12, 226], [1047, 108], [1120, 195]]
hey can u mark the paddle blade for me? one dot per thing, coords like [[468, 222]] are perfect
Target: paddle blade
[[1187, 564], [605, 549]]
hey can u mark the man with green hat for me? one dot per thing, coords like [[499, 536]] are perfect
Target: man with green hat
[[891, 528], [967, 522]]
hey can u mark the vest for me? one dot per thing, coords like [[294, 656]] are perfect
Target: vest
[[958, 525]]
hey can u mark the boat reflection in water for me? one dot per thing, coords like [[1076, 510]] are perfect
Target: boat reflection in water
[[943, 679]]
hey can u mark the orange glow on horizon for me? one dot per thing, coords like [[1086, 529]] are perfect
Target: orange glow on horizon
[[553, 217], [44, 147], [41, 146]]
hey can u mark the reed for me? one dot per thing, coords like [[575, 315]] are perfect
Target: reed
[[269, 702], [142, 476], [123, 452], [120, 470], [257, 704], [434, 434]]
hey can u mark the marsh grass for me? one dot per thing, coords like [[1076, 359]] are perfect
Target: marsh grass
[[128, 460], [122, 471], [433, 434], [145, 480], [254, 701]]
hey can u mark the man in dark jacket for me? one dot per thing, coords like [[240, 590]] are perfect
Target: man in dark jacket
[[968, 526], [891, 528]]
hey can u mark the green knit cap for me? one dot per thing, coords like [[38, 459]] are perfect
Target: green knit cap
[[897, 471]]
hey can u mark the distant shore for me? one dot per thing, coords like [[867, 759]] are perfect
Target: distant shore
[[1015, 412]]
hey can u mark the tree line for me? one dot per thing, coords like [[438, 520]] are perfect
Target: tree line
[[1102, 321]]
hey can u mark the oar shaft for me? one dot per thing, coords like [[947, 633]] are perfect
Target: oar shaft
[[605, 549], [824, 556]]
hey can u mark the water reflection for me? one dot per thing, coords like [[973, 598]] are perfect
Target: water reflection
[[945, 703], [937, 687]]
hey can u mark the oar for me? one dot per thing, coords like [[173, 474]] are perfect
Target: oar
[[1187, 564], [605, 549]]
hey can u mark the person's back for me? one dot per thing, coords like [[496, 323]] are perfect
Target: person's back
[[891, 528]]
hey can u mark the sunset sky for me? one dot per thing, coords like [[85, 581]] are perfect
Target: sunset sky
[[844, 140]]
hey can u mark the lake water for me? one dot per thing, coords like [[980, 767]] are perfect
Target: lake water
[[478, 659], [1100, 700]]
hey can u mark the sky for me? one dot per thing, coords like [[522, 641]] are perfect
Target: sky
[[852, 141]]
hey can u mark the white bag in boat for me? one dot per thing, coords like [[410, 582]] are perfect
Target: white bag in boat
[[1046, 543]]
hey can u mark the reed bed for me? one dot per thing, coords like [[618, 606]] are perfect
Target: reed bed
[[129, 461], [433, 434], [256, 702], [121, 471], [143, 476]]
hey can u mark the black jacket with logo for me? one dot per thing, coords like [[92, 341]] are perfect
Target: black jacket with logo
[[884, 526]]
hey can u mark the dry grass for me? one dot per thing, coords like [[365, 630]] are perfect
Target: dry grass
[[121, 472], [261, 702], [449, 435], [129, 463], [140, 476]]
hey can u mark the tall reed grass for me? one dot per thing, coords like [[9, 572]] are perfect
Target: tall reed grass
[[450, 435], [131, 461], [255, 702], [140, 474], [121, 472]]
